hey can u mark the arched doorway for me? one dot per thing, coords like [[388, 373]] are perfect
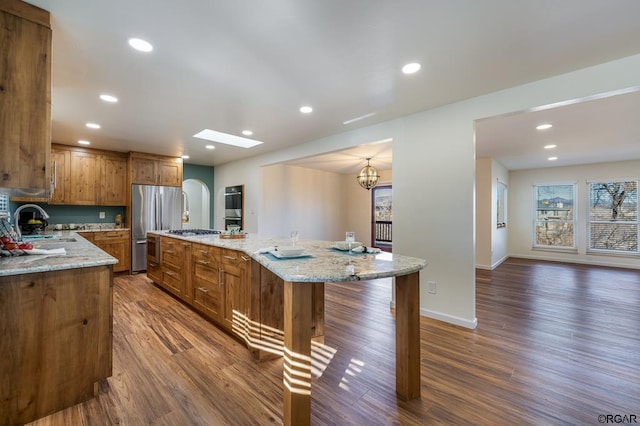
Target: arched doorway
[[196, 204]]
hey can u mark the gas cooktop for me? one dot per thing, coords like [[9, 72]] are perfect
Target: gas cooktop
[[188, 232]]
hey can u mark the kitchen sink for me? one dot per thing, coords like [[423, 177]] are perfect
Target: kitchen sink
[[47, 239], [39, 237]]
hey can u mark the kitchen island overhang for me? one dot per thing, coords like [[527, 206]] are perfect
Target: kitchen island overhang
[[302, 281]]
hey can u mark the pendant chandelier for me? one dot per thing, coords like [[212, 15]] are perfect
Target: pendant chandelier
[[368, 176]]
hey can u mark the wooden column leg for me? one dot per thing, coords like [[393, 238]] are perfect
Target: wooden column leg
[[297, 353], [408, 336]]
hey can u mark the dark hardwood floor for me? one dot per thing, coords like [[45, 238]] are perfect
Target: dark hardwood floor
[[555, 344]]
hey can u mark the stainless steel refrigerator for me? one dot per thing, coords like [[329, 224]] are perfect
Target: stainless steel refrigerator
[[153, 208]]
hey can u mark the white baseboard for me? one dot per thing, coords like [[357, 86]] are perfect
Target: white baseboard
[[494, 266], [451, 319], [604, 262]]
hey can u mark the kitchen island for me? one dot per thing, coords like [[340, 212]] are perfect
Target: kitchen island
[[56, 315], [298, 315]]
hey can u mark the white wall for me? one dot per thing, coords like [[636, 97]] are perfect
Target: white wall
[[310, 201], [499, 236], [521, 209], [434, 177], [484, 213]]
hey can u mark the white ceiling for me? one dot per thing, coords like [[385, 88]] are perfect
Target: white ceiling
[[233, 65]]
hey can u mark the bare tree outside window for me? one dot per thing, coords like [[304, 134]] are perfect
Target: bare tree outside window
[[613, 216]]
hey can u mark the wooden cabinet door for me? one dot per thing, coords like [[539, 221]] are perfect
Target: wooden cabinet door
[[117, 244], [113, 182], [25, 101], [56, 342], [61, 161], [143, 171], [170, 172], [83, 184], [234, 274]]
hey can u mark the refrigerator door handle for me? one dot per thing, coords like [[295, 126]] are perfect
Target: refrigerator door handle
[[157, 222], [160, 221]]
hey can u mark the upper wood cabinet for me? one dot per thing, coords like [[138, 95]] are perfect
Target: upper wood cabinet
[[25, 96], [89, 177], [147, 169], [113, 182]]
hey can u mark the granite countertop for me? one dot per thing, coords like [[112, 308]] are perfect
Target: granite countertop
[[79, 254], [325, 264], [102, 230]]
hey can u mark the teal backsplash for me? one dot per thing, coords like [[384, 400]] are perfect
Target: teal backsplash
[[75, 214]]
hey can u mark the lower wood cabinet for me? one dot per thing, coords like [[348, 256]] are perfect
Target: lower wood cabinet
[[56, 340], [206, 282], [213, 280], [174, 271], [232, 290], [116, 243], [234, 273]]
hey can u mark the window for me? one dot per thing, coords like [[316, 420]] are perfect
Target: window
[[554, 217], [613, 216]]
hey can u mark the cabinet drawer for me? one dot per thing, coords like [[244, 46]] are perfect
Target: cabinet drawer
[[172, 280], [111, 235], [154, 272], [207, 253], [208, 299], [205, 272]]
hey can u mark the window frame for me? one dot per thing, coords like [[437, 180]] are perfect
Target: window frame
[[608, 252], [573, 221]]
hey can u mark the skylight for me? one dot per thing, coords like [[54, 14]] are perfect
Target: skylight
[[225, 138]]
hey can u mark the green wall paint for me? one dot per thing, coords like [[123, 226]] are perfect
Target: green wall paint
[[204, 174], [75, 214]]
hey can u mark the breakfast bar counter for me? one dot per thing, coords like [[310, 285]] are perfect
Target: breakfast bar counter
[[322, 263]]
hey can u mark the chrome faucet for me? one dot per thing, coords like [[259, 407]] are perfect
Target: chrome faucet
[[16, 216]]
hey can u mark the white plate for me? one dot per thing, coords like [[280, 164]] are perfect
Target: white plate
[[344, 246], [279, 255]]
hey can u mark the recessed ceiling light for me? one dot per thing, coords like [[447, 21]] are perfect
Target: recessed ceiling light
[[544, 126], [247, 132], [306, 110], [214, 136], [108, 98], [549, 146], [82, 142], [411, 68], [210, 147], [93, 125], [140, 44], [552, 158], [184, 157]]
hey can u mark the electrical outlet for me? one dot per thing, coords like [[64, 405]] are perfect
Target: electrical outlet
[[432, 287], [102, 215]]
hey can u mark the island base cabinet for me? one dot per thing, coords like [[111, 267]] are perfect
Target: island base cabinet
[[56, 340]]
